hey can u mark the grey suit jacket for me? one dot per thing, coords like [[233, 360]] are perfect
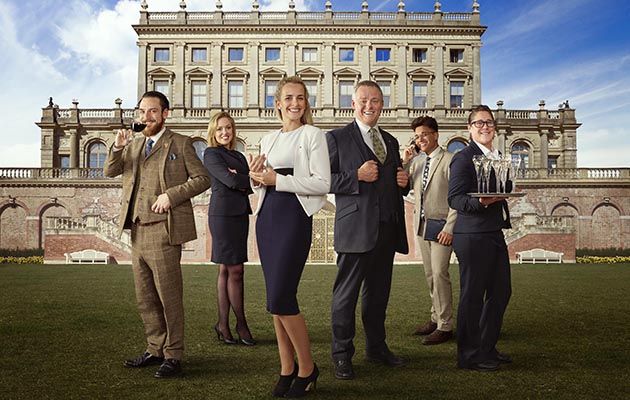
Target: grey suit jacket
[[357, 215], [435, 195]]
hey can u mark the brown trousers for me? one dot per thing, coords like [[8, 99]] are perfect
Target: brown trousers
[[159, 290]]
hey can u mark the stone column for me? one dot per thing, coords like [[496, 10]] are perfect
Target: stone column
[[366, 61], [253, 94], [328, 81], [216, 91], [142, 69], [544, 149], [439, 74], [74, 148], [476, 100], [179, 91], [290, 48], [402, 88], [501, 133]]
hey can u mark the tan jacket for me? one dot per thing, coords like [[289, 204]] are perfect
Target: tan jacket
[[181, 176], [436, 193]]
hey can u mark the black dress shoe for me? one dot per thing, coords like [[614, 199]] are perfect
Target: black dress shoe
[[386, 357], [343, 370], [503, 358], [143, 360], [425, 329], [485, 366], [247, 341], [225, 339], [170, 367]]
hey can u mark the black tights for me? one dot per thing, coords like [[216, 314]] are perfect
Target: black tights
[[230, 293]]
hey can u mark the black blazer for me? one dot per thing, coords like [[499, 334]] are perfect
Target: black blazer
[[229, 191], [472, 216], [357, 214]]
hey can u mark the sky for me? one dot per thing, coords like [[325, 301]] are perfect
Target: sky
[[552, 50]]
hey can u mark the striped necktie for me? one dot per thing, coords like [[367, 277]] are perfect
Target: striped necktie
[[425, 182], [379, 150], [148, 147]]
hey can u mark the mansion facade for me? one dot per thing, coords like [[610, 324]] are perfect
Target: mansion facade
[[427, 63]]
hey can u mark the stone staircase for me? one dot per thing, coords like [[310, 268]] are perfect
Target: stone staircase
[[91, 224]]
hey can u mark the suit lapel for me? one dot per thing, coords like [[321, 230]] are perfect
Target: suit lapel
[[365, 151], [433, 166], [162, 149], [137, 153]]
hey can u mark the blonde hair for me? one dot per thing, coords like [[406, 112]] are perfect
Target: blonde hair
[[307, 117], [212, 130]]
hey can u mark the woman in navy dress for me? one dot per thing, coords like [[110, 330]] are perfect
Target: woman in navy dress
[[291, 178], [228, 219]]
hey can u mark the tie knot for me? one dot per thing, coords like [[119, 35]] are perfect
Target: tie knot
[[150, 142]]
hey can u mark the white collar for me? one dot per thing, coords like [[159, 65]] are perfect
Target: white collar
[[493, 154], [157, 136], [365, 128]]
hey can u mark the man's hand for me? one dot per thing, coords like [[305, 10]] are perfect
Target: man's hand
[[162, 204], [408, 154], [402, 178], [256, 164], [368, 172], [266, 177], [486, 201], [444, 238], [123, 137]]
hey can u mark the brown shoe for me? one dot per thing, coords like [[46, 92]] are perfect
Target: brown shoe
[[437, 337], [425, 329]]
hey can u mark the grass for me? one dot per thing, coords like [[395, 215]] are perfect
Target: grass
[[64, 331]]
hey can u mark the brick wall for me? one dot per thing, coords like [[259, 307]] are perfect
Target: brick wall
[[56, 245], [562, 243]]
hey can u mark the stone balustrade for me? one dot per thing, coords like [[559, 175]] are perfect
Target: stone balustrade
[[90, 223]]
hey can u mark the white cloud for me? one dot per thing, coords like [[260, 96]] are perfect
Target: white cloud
[[20, 155]]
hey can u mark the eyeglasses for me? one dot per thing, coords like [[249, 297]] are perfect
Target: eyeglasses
[[480, 123]]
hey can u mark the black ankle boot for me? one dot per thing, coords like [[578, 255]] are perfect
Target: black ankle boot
[[284, 383], [302, 386]]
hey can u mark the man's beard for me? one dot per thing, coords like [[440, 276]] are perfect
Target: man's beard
[[153, 130]]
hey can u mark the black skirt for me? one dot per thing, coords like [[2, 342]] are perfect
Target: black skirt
[[283, 232], [229, 238]]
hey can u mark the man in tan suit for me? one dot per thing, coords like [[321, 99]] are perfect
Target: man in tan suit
[[161, 173], [433, 222]]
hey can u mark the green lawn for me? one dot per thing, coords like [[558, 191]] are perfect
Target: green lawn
[[65, 330]]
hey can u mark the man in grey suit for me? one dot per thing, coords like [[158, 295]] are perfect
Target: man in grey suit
[[368, 182], [160, 174], [429, 180]]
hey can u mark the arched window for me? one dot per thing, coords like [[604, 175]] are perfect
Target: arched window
[[520, 152], [456, 145], [200, 146], [97, 152]]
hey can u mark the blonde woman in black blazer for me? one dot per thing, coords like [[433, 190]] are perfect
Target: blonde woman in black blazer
[[228, 219]]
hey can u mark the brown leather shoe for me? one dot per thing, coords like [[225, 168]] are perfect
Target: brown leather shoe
[[437, 337], [425, 329]]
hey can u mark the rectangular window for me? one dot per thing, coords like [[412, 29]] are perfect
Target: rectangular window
[[309, 54], [552, 162], [457, 94], [199, 94], [272, 54], [199, 55], [346, 55], [383, 55], [311, 87], [457, 55], [419, 95], [64, 161], [162, 86], [419, 55], [345, 94], [270, 92], [387, 90], [162, 54], [235, 54], [235, 94]]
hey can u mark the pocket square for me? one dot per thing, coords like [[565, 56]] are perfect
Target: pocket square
[[172, 156]]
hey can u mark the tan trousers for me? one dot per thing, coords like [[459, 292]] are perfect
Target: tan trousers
[[159, 290], [435, 258]]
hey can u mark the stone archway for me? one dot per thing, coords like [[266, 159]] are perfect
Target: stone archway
[[606, 227], [51, 210], [13, 228], [568, 210]]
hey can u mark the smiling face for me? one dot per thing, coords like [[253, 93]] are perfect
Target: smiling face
[[225, 132], [426, 138], [485, 134], [151, 113], [367, 103], [292, 104]]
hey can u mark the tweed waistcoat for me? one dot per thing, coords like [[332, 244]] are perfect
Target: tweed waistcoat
[[147, 188]]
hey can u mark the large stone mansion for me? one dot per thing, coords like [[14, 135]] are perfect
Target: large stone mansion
[[427, 63]]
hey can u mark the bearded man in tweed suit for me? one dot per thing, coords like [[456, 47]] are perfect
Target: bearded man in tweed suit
[[161, 173]]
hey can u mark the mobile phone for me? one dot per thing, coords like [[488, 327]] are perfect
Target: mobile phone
[[415, 146]]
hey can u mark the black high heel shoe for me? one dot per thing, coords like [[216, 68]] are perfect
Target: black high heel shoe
[[246, 341], [303, 386], [222, 338], [284, 383]]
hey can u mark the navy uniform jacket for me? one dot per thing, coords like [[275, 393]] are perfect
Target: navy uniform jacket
[[229, 191]]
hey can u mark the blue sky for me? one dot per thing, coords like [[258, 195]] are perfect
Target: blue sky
[[556, 50]]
